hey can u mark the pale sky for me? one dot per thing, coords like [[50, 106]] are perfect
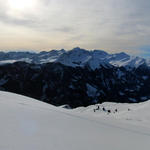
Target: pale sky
[[111, 25]]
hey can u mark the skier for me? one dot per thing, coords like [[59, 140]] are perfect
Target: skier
[[104, 109], [109, 111]]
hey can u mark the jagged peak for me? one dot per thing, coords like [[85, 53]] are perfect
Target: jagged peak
[[75, 57], [78, 49], [121, 54]]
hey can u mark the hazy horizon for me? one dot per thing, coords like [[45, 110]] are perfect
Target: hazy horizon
[[38, 51]]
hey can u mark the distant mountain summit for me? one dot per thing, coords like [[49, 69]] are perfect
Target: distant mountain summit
[[77, 77], [76, 57]]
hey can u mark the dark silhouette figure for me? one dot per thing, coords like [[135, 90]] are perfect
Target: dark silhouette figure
[[109, 111], [104, 109]]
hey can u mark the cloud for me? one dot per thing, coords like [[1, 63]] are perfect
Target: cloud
[[113, 25]]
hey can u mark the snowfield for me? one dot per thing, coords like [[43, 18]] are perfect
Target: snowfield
[[135, 113], [27, 124]]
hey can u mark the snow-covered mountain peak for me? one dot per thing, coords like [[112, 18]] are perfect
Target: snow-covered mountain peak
[[77, 57], [96, 58], [120, 56], [78, 49], [100, 53], [78, 52]]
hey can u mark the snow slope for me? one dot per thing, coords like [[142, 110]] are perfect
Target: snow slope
[[27, 124], [135, 113]]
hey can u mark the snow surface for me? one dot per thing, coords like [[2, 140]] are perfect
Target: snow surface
[[136, 113], [27, 124], [8, 61]]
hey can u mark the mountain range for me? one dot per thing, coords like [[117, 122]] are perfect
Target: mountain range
[[76, 57], [77, 77]]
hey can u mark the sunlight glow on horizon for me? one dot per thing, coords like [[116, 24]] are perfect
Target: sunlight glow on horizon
[[112, 25]]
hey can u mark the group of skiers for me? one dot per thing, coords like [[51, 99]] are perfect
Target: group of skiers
[[105, 110], [108, 111]]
